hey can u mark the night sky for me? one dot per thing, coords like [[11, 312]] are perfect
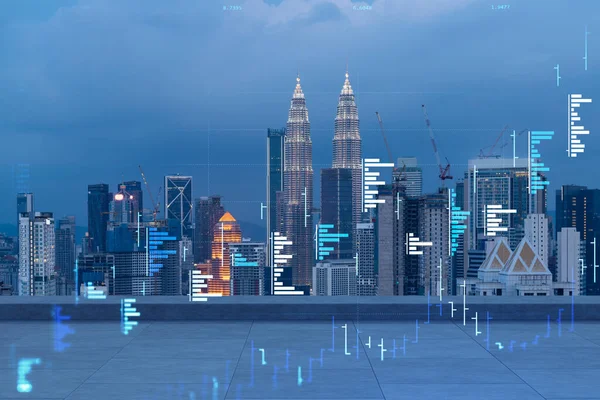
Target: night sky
[[89, 89]]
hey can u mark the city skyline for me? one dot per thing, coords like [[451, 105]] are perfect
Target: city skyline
[[472, 89]]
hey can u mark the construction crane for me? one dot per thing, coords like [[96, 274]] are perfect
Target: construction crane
[[389, 151], [517, 135], [444, 171], [155, 206], [490, 153]]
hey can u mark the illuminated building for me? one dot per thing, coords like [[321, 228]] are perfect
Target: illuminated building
[[298, 189], [122, 207], [134, 188], [226, 231], [36, 255], [347, 147], [98, 201]]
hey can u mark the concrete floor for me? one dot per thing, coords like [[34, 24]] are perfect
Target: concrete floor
[[302, 360]]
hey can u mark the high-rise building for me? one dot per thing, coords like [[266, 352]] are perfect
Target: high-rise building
[[226, 231], [336, 209], [398, 273], [366, 284], [496, 182], [569, 254], [179, 203], [24, 204], [96, 269], [387, 256], [334, 278], [435, 266], [98, 216], [298, 189], [134, 188], [122, 207], [275, 166], [131, 276], [65, 251], [347, 152], [208, 212], [37, 275], [536, 232], [579, 207], [413, 175], [248, 261]]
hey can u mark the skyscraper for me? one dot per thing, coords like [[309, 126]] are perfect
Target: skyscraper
[[134, 188], [275, 165], [24, 204], [65, 248], [569, 254], [413, 175], [496, 182], [347, 151], [366, 284], [298, 188], [248, 262], [122, 207], [208, 212], [536, 232], [336, 208], [434, 227], [36, 255], [334, 278], [226, 231], [98, 215], [579, 207], [179, 202]]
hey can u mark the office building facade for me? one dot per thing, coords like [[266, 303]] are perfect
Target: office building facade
[[334, 278], [366, 284], [496, 182], [98, 217], [537, 233], [412, 178], [337, 204], [179, 204], [434, 265], [208, 211], [579, 207], [65, 250], [569, 254], [248, 261], [275, 175]]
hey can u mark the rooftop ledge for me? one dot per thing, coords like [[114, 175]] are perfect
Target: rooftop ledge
[[304, 308]]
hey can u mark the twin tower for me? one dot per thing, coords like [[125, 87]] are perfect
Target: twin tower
[[298, 175]]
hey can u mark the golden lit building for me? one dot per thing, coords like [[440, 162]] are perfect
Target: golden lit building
[[226, 231]]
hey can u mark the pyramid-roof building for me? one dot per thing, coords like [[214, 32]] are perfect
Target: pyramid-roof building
[[525, 261]]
